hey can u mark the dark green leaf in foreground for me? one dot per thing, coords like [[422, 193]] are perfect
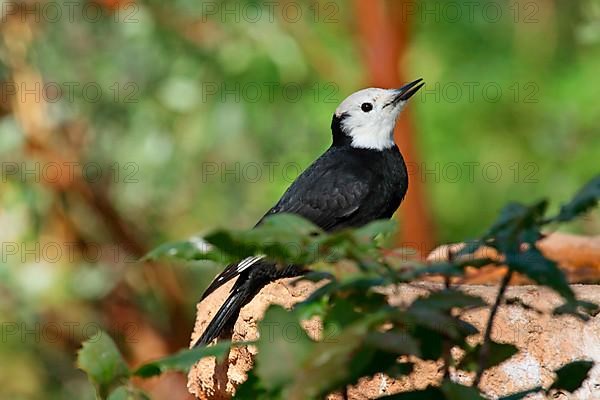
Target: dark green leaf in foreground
[[454, 391], [102, 362], [498, 353], [448, 391], [437, 321], [127, 393], [515, 223], [431, 393], [570, 376], [193, 249], [446, 300], [379, 227], [585, 199], [336, 360], [183, 360], [523, 394], [432, 314], [289, 223], [282, 348], [282, 237], [534, 265], [577, 308], [398, 343], [252, 388]]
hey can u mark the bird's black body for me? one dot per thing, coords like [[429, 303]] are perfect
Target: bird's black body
[[345, 187]]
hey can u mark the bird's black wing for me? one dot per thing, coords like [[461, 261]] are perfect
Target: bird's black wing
[[326, 197], [328, 194]]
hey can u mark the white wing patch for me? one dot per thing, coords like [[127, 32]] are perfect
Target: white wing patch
[[244, 265]]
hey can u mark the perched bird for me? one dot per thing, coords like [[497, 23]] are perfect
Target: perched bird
[[362, 177]]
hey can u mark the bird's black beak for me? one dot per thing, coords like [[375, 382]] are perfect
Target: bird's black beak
[[408, 90], [405, 92]]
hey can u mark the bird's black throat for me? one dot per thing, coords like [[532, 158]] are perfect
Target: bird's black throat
[[340, 138]]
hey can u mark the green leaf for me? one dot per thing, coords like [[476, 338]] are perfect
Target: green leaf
[[284, 222], [320, 293], [431, 342], [398, 343], [339, 359], [235, 244], [515, 217], [438, 268], [454, 391], [102, 362], [433, 314], [515, 301], [471, 246], [444, 268], [585, 199], [533, 264], [283, 346], [366, 362], [127, 393], [570, 376], [351, 305], [520, 395], [372, 229], [498, 353], [448, 299], [184, 359], [440, 322], [252, 388], [188, 250], [431, 393], [577, 308], [315, 277], [517, 224], [285, 238], [400, 369]]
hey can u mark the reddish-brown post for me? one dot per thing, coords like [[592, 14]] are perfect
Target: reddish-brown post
[[384, 32]]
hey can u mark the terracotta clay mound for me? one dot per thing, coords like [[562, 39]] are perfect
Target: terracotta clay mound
[[546, 342], [578, 257]]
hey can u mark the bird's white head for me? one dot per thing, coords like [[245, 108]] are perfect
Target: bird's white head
[[368, 117]]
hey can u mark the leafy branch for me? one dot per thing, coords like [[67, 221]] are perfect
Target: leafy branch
[[362, 334]]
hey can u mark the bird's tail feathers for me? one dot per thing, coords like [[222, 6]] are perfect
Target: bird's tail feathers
[[229, 273], [228, 313]]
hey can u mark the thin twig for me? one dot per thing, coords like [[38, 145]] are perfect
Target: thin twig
[[487, 338]]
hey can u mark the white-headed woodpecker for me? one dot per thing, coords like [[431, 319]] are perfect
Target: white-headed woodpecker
[[362, 177]]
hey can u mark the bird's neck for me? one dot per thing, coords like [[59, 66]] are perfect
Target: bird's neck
[[373, 142], [339, 136]]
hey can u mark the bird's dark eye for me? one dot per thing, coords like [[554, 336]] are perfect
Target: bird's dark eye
[[366, 107]]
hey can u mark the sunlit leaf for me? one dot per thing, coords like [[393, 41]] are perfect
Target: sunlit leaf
[[102, 362], [195, 249]]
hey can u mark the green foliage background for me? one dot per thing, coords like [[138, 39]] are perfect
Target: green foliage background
[[172, 130]]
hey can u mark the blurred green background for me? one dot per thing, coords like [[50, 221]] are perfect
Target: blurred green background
[[179, 117]]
